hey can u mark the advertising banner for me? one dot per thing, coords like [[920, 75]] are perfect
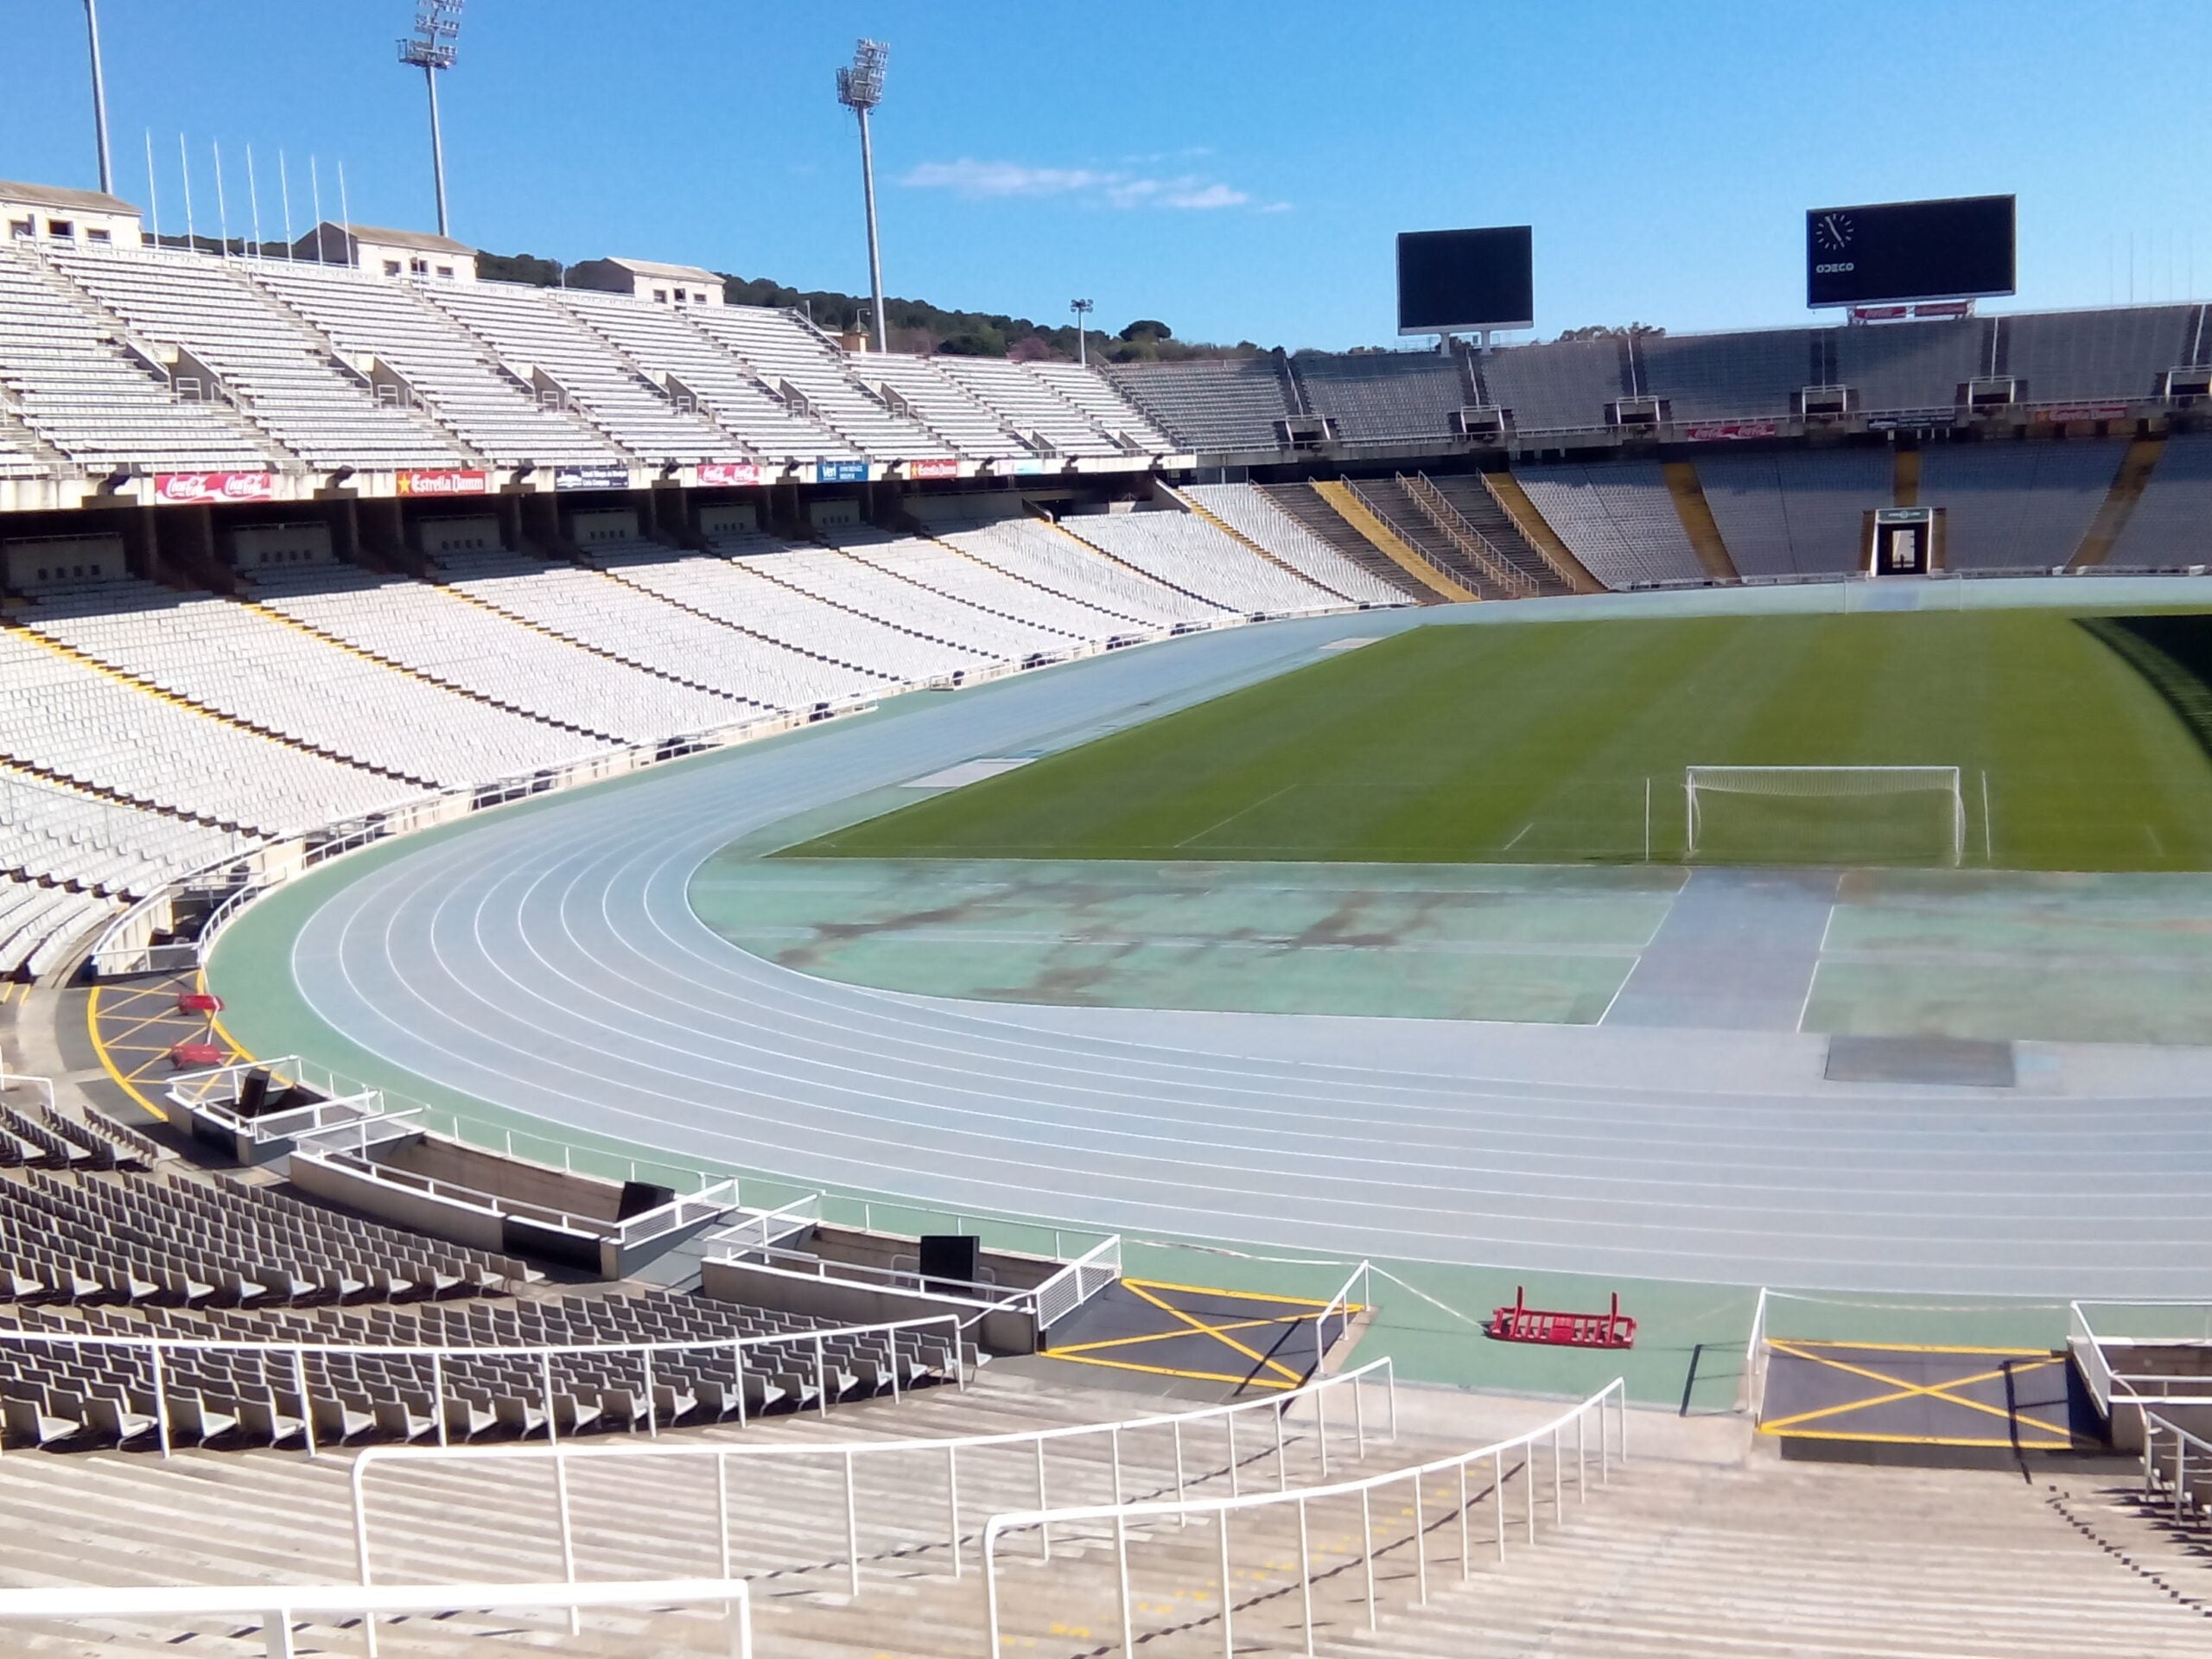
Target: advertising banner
[[936, 467], [605, 476], [1716, 431], [841, 472], [2084, 412], [185, 489], [450, 482], [731, 472], [1029, 467]]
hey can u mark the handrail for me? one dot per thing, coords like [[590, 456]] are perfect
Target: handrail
[[1181, 1509], [278, 1603], [543, 1353], [1750, 1393], [850, 1453], [1461, 533], [2184, 1480]]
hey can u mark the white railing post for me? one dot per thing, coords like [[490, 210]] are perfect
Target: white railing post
[[277, 1634], [1229, 1423], [852, 1530], [545, 1384], [1497, 1497], [991, 1583], [1420, 1544], [722, 1507], [160, 1403], [952, 1500], [1114, 1445], [306, 1405], [438, 1394], [737, 1354], [1305, 1575], [1359, 1417], [1181, 1520], [653, 1406], [1367, 1551], [1466, 1556], [1557, 1503], [821, 1382], [1581, 1474], [1043, 1527], [1529, 1479], [1228, 1597], [568, 1534], [1283, 1457], [1122, 1579]]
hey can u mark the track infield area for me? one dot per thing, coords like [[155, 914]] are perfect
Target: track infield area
[[2080, 741]]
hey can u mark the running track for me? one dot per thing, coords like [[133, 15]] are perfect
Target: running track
[[548, 962]]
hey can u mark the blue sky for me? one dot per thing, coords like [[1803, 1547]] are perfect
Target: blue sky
[[1235, 168]]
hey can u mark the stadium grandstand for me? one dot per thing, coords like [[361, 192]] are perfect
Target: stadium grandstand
[[672, 983]]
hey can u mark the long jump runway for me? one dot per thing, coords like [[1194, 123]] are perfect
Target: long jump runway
[[547, 961]]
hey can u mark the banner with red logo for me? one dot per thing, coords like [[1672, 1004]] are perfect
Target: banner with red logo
[[447, 483], [937, 467], [743, 473], [2084, 412], [187, 489], [1714, 431]]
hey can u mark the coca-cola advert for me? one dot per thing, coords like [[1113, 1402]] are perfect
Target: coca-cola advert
[[189, 489], [1716, 431], [445, 482], [740, 473], [936, 467]]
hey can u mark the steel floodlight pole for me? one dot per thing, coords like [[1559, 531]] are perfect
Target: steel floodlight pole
[[1083, 308], [860, 89], [99, 97], [437, 27]]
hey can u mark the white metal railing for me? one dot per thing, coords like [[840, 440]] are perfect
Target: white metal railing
[[1074, 1284], [944, 1452], [278, 1605], [162, 1358], [1341, 1305], [1182, 1511], [2114, 1388], [2184, 1473]]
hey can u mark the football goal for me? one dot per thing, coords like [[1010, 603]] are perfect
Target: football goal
[[1825, 814]]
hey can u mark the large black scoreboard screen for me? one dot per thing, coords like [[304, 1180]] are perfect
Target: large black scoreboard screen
[[1961, 249], [1460, 281]]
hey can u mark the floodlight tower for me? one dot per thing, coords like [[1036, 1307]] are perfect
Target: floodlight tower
[[860, 89], [99, 96], [1083, 308], [431, 48]]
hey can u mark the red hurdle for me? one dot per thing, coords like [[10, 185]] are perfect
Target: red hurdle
[[1521, 1323]]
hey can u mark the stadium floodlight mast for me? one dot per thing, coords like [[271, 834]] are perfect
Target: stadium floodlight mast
[[1083, 308], [860, 89], [99, 97], [431, 48]]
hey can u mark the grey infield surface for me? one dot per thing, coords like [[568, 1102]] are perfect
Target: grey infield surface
[[548, 962]]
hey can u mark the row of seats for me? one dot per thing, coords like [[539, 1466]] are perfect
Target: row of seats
[[153, 733], [2116, 354]]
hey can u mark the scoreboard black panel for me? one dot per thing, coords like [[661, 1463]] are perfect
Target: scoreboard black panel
[[1459, 281], [1961, 249]]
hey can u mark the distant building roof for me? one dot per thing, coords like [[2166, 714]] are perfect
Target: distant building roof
[[671, 273], [54, 195], [429, 242]]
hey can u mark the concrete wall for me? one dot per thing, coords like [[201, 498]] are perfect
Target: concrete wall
[[846, 1302], [252, 547], [518, 1179], [42, 562], [418, 1211]]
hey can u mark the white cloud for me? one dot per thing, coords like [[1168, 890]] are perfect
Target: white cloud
[[979, 181]]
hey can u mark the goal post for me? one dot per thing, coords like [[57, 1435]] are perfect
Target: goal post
[[1828, 814]]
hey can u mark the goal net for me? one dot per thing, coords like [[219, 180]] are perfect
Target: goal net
[[1825, 814]]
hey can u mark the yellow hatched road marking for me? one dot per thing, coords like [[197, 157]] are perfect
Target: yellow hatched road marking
[[1904, 1390], [1200, 1326]]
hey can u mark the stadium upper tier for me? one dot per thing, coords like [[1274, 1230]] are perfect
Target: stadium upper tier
[[146, 360]]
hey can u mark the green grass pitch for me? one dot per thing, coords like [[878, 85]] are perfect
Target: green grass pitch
[[1534, 743]]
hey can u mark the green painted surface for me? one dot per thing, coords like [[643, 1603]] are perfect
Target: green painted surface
[[1534, 744]]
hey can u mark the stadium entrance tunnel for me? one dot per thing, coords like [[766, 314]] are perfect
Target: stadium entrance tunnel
[[1233, 1343]]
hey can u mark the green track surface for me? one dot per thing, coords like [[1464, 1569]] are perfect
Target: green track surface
[[1534, 744]]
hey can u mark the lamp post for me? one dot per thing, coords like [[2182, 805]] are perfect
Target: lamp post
[[1082, 308], [432, 49], [99, 96], [860, 89]]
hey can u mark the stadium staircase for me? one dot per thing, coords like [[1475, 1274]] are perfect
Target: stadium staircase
[[1346, 504], [1189, 504], [1696, 514], [2127, 487], [1463, 547], [1304, 504], [1513, 501], [1694, 1549]]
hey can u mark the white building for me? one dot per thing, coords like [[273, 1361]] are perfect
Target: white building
[[644, 279], [389, 254], [83, 218]]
